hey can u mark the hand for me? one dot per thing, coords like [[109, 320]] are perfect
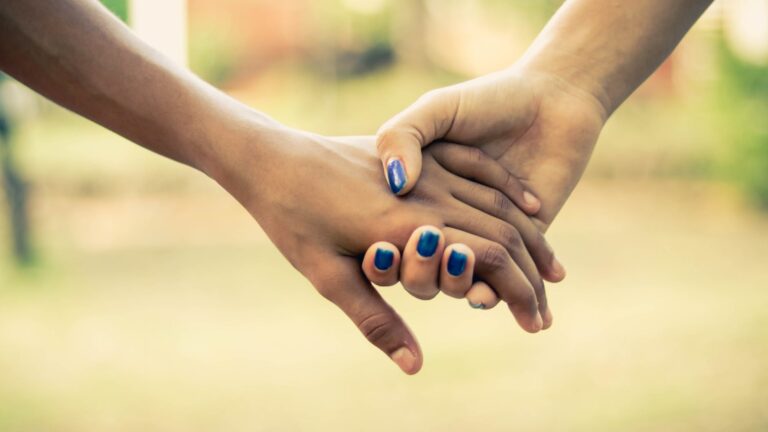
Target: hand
[[540, 127], [452, 268], [319, 201]]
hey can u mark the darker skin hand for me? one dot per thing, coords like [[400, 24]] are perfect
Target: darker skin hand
[[317, 198]]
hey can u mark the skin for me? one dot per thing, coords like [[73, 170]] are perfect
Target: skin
[[521, 237], [319, 199], [541, 117], [322, 231]]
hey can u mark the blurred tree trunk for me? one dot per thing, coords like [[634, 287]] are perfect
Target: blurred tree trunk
[[16, 193], [409, 31]]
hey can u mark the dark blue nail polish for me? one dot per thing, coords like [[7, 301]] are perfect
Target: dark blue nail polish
[[428, 243], [457, 262], [383, 260], [396, 175]]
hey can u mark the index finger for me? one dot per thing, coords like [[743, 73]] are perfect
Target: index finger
[[342, 282]]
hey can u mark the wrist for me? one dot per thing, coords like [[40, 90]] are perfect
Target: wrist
[[247, 155], [232, 133], [564, 72], [607, 48]]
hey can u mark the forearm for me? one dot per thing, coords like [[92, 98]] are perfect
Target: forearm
[[77, 54], [609, 47]]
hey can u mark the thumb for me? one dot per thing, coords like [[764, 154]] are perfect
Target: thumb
[[400, 140], [344, 285]]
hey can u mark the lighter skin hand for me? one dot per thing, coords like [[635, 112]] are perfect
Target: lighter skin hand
[[543, 135], [542, 117]]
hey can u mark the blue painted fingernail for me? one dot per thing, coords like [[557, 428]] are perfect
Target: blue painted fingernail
[[476, 306], [428, 243], [457, 262], [396, 175], [383, 259]]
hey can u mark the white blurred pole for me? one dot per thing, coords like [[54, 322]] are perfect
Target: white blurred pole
[[162, 24]]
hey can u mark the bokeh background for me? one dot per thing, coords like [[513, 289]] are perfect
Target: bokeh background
[[136, 295]]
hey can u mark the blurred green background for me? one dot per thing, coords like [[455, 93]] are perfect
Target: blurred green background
[[147, 299]]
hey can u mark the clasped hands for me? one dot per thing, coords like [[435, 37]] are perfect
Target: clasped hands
[[473, 174], [500, 156]]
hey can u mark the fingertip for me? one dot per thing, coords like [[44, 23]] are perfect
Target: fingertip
[[531, 202], [558, 268], [531, 322], [407, 360], [556, 272], [381, 264], [420, 268], [481, 296], [457, 269], [400, 153], [430, 241], [384, 259], [459, 260]]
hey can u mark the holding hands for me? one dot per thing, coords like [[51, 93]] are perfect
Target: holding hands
[[323, 230], [475, 172]]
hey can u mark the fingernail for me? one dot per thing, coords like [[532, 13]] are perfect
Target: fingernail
[[396, 175], [383, 259], [557, 267], [530, 199], [476, 305], [539, 324], [457, 262], [405, 359], [428, 243]]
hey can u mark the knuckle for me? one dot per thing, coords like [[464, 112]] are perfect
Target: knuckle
[[377, 327], [495, 257], [475, 155], [385, 137], [432, 96], [501, 203], [512, 182], [510, 238], [515, 239]]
